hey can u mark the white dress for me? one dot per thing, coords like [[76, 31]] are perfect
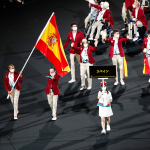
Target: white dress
[[105, 111]]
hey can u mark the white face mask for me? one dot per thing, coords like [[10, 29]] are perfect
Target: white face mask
[[52, 74], [12, 70], [133, 6], [85, 45], [74, 28], [103, 88], [117, 35], [149, 37]]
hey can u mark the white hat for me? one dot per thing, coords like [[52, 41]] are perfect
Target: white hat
[[84, 40], [106, 5]]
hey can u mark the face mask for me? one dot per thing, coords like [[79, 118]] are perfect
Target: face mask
[[74, 28], [133, 6], [101, 6], [12, 70], [117, 36], [85, 45], [149, 37], [52, 74], [103, 88]]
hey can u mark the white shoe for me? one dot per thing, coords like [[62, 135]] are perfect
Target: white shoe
[[15, 118], [95, 39], [90, 38], [116, 83], [82, 88], [89, 87], [108, 128], [122, 82], [103, 132], [149, 80], [71, 81], [123, 29], [17, 112], [55, 118], [85, 76], [135, 39]]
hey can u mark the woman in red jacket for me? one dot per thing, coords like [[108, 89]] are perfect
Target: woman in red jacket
[[86, 60], [52, 90], [10, 79]]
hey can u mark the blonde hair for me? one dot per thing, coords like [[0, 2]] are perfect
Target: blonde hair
[[11, 65]]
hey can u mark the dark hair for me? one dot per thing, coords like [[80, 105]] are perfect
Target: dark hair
[[53, 68], [74, 23], [98, 1], [116, 30], [106, 89], [148, 32], [10, 66]]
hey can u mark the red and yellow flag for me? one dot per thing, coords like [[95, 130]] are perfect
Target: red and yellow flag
[[50, 45], [125, 67], [146, 69]]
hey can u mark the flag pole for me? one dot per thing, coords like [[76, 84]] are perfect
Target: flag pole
[[30, 55]]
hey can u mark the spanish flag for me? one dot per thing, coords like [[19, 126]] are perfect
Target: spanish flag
[[125, 67], [146, 69], [50, 45]]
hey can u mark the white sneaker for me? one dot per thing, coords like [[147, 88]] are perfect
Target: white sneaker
[[82, 88], [90, 38], [71, 81], [116, 83], [17, 112], [95, 39], [108, 128], [103, 132], [122, 82], [55, 118], [123, 29], [135, 39], [149, 80], [85, 76], [15, 118], [89, 87]]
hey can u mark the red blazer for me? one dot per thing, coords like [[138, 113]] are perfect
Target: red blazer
[[89, 52], [77, 41], [141, 16], [129, 3], [120, 40], [144, 45], [54, 84], [6, 81], [106, 15]]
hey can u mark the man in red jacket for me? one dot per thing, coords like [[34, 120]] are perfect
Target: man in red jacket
[[74, 37], [117, 53], [127, 7], [52, 90], [102, 17], [139, 17], [9, 80]]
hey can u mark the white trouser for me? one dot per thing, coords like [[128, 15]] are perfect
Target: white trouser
[[52, 100], [14, 99], [72, 61], [83, 68], [115, 60]]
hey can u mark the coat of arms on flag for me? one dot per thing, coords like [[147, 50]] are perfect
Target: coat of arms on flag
[[52, 40]]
